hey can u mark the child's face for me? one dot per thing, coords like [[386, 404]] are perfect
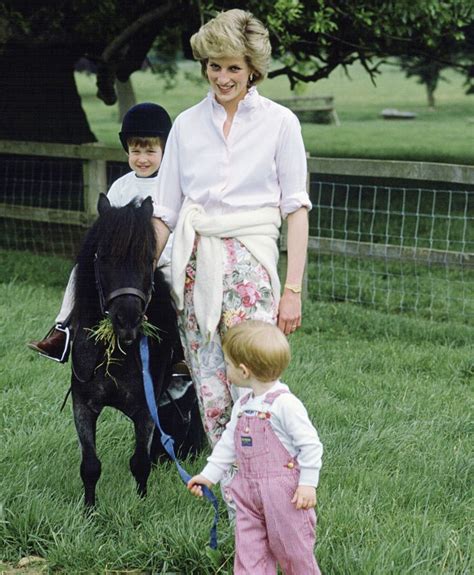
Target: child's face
[[235, 374], [144, 160]]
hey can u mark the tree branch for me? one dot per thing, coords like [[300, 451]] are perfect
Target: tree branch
[[108, 61], [119, 42], [294, 77]]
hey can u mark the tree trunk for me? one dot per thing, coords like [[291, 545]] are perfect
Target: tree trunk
[[126, 97], [430, 93], [39, 101]]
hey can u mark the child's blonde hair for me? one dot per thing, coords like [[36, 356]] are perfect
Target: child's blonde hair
[[234, 33], [260, 346]]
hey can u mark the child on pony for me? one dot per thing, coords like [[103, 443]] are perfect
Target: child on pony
[[145, 128]]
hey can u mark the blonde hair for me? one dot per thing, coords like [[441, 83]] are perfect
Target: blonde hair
[[234, 33], [260, 346]]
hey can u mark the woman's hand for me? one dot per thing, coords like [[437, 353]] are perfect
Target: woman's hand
[[194, 484], [304, 497], [289, 313]]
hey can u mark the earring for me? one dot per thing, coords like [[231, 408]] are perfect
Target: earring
[[250, 80]]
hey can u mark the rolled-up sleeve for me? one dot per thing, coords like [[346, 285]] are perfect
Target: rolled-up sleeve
[[292, 167], [168, 196]]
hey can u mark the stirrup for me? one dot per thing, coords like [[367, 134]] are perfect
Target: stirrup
[[67, 344]]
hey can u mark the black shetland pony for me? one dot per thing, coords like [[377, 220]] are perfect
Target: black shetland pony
[[115, 277]]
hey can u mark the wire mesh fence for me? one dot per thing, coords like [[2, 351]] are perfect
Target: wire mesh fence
[[402, 245], [42, 202], [395, 247]]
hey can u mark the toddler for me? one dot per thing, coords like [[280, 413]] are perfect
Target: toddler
[[278, 455]]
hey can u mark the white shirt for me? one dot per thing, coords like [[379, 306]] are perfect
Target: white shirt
[[262, 163], [290, 422], [128, 187]]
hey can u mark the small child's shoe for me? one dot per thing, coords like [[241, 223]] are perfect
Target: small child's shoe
[[55, 345]]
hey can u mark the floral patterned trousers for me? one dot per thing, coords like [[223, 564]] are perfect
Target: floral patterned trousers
[[247, 294]]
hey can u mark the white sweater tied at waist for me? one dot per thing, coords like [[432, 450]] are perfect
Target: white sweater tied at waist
[[257, 230]]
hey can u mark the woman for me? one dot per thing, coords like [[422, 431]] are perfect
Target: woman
[[235, 163]]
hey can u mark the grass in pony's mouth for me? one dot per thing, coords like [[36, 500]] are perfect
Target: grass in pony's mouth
[[104, 333]]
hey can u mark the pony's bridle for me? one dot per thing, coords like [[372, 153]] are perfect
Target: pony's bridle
[[106, 299]]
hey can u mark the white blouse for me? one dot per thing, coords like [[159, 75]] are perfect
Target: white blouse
[[262, 163]]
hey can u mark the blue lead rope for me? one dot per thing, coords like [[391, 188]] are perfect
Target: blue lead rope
[[167, 441]]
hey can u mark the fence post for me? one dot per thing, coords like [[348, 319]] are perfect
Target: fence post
[[95, 182]]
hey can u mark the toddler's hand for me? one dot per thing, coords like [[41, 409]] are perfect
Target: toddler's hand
[[194, 484], [304, 497]]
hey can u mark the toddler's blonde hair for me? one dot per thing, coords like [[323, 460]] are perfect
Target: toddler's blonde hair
[[260, 346], [234, 33]]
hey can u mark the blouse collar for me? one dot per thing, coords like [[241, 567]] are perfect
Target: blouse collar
[[249, 102]]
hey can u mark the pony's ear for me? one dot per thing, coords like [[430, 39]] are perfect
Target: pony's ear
[[103, 205], [147, 206]]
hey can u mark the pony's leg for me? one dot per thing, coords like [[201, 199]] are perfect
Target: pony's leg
[[86, 421], [140, 462]]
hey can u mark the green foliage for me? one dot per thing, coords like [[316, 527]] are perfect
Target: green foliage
[[310, 40], [313, 38], [451, 51]]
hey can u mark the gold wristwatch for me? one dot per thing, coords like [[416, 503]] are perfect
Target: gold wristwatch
[[295, 288]]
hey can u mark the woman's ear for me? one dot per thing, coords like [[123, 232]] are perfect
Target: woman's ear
[[251, 79]]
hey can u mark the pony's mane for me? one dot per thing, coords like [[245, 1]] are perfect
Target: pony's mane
[[123, 234], [126, 234]]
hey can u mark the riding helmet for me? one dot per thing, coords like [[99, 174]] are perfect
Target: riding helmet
[[145, 120]]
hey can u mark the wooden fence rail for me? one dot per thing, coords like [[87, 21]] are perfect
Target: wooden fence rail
[[94, 159]]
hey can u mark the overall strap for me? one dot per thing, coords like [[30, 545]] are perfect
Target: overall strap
[[270, 398], [245, 398]]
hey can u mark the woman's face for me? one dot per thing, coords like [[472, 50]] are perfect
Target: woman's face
[[228, 78]]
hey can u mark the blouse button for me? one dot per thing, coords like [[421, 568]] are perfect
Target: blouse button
[[247, 430], [290, 465]]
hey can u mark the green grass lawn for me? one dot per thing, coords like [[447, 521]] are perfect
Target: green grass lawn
[[444, 135], [390, 395]]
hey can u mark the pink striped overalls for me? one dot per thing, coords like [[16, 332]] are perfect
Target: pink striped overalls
[[269, 529]]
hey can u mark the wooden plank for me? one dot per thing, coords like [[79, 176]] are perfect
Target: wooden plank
[[366, 250], [82, 151], [424, 171], [309, 109], [311, 100], [47, 215]]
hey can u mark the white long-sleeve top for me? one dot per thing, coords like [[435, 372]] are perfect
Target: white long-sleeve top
[[128, 187], [261, 163], [290, 422]]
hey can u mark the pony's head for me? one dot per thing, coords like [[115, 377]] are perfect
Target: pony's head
[[124, 261]]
